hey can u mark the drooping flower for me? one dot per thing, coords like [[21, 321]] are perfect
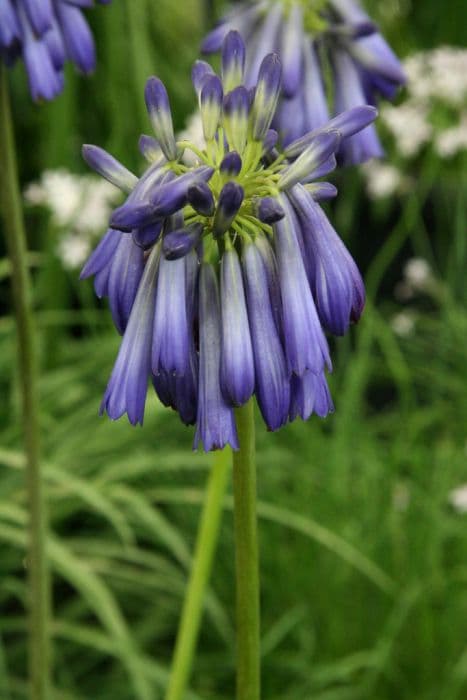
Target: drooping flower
[[223, 273], [45, 34], [333, 59]]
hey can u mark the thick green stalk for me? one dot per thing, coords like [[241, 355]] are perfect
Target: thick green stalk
[[39, 658], [202, 563], [246, 558]]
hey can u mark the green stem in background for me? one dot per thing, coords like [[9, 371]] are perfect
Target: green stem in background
[[246, 558], [202, 564], [39, 653]]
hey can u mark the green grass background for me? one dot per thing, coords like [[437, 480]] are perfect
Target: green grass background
[[363, 560]]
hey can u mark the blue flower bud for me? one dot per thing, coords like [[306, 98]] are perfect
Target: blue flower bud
[[199, 72], [233, 60], [107, 166], [236, 110], [231, 164], [177, 244], [211, 105], [269, 210], [157, 103], [318, 152], [201, 198], [266, 95], [230, 201], [149, 148]]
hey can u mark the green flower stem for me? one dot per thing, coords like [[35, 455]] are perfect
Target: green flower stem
[[246, 556], [201, 568], [13, 226]]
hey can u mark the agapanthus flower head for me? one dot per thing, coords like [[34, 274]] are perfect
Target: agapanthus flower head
[[333, 59], [45, 34], [224, 274]]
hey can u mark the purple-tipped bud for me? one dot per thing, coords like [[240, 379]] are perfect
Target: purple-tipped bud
[[199, 72], [266, 95], [149, 148], [230, 201], [233, 60], [157, 103], [201, 198], [268, 210], [146, 236], [107, 166], [236, 110], [321, 191], [347, 124], [270, 140], [177, 244], [231, 164], [309, 162], [210, 101]]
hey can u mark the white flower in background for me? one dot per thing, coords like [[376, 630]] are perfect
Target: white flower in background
[[451, 141], [418, 277], [436, 79], [418, 274], [403, 324], [73, 249], [381, 179], [458, 498], [80, 207], [409, 125]]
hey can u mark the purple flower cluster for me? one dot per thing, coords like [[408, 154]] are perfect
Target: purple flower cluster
[[223, 276], [45, 34], [333, 59]]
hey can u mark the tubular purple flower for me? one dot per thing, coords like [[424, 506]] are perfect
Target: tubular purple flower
[[291, 52], [264, 335], [266, 95], [171, 343], [210, 101], [316, 111], [77, 37], [157, 103], [200, 71], [349, 93], [271, 376], [231, 164], [308, 37], [109, 167], [308, 163], [309, 394], [215, 424], [346, 124], [269, 210], [149, 148], [124, 277], [306, 347], [127, 387], [177, 244], [335, 281], [233, 61], [230, 201], [236, 112], [201, 198], [237, 374], [44, 34]]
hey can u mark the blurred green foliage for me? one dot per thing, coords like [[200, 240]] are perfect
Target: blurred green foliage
[[363, 559]]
